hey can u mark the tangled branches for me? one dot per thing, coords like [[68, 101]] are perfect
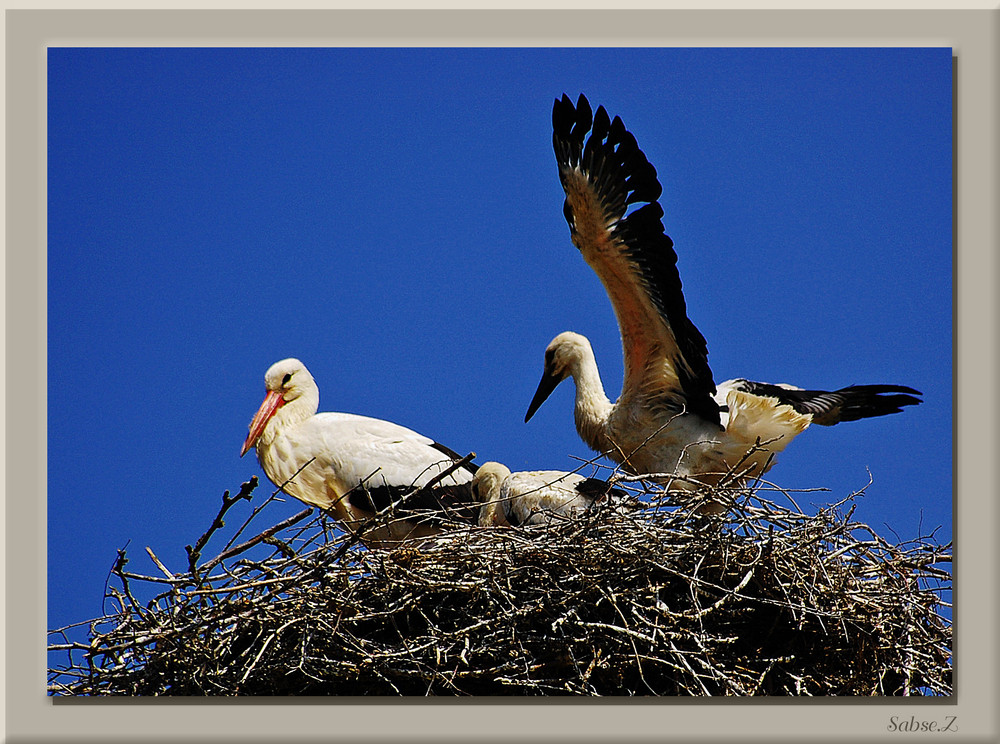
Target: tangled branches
[[651, 601]]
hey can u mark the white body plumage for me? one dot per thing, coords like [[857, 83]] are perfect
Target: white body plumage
[[535, 497], [353, 465]]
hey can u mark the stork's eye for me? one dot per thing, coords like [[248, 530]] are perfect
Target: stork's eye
[[286, 379]]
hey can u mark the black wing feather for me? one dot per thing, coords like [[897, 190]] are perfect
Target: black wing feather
[[469, 467], [595, 488], [621, 175], [435, 505]]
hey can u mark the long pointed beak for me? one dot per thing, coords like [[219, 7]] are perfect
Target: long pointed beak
[[548, 383], [272, 402]]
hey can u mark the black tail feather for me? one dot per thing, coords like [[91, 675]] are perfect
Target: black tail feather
[[866, 401], [847, 404]]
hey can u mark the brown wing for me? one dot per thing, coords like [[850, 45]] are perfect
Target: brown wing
[[666, 357]]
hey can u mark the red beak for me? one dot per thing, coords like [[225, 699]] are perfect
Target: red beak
[[272, 402]]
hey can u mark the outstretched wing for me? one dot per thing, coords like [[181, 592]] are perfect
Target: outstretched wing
[[666, 357]]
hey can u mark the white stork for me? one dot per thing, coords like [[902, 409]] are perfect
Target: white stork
[[355, 466], [536, 497], [670, 418]]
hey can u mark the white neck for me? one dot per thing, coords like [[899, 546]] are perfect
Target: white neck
[[592, 405], [488, 479], [292, 413]]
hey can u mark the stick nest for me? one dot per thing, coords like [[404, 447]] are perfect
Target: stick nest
[[656, 600]]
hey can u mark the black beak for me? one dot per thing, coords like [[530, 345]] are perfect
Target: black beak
[[548, 383]]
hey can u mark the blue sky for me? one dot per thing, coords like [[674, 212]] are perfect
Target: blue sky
[[394, 219]]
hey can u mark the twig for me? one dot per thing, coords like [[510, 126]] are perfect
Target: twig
[[227, 503], [243, 547], [159, 565]]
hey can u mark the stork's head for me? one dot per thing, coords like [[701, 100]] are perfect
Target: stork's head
[[562, 359], [486, 488], [287, 382]]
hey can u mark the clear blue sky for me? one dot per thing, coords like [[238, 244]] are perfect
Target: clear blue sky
[[394, 219]]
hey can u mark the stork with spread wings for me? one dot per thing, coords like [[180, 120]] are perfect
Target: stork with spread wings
[[671, 419]]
